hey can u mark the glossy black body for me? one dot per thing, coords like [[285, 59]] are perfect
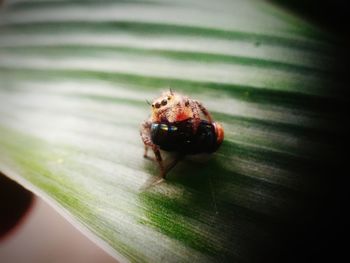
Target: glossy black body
[[179, 137]]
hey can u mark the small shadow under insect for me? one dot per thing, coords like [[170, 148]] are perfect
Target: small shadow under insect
[[200, 174]]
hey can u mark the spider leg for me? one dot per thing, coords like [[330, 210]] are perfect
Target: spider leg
[[203, 110], [146, 151], [196, 116], [155, 181], [159, 161], [145, 133]]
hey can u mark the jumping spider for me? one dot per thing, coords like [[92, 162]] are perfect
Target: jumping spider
[[175, 125]]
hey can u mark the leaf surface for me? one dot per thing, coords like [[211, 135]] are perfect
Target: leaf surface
[[74, 79]]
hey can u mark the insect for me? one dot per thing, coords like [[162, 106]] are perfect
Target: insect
[[176, 125], [179, 136]]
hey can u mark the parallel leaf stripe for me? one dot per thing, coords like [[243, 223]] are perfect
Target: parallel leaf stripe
[[202, 57], [163, 30], [261, 95]]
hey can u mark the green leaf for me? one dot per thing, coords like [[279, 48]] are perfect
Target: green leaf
[[74, 79]]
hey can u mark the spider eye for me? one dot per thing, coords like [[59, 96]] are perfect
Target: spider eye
[[169, 97], [187, 103], [157, 105], [164, 102]]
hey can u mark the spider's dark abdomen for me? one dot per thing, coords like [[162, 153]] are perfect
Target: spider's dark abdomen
[[179, 137]]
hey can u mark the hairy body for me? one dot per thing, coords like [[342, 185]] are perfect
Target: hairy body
[[171, 107]]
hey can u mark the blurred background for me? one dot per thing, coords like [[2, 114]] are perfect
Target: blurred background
[[33, 231]]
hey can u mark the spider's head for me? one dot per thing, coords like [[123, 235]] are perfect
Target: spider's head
[[165, 105]]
